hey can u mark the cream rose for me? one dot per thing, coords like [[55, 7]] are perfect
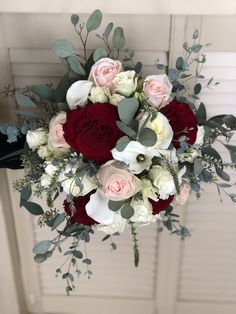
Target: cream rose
[[157, 90], [77, 94], [142, 211], [36, 138], [56, 133], [45, 180], [125, 83], [114, 99], [163, 180], [104, 71], [98, 94], [148, 190], [44, 152], [117, 184]]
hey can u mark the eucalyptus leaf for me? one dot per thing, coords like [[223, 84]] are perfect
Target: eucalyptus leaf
[[77, 254], [180, 63], [42, 247], [232, 151], [58, 220], [125, 129], [22, 100], [213, 154], [25, 194], [87, 261], [40, 258], [122, 143], [127, 211], [94, 21], [230, 121], [99, 53], [63, 48], [115, 205], [138, 67], [43, 91], [108, 30], [33, 208], [75, 65], [222, 174], [197, 88], [127, 109], [201, 114], [118, 39], [197, 166], [147, 137], [74, 19], [61, 90], [196, 48]]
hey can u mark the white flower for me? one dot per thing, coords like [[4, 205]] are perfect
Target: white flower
[[160, 125], [98, 94], [50, 169], [163, 180], [200, 136], [45, 180], [77, 94], [44, 152], [125, 83], [189, 156], [148, 190], [36, 138], [117, 226], [115, 99], [142, 211], [69, 184], [136, 156]]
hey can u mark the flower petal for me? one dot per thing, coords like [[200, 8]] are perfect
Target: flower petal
[[97, 208], [77, 94]]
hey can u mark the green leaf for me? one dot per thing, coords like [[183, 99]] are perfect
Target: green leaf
[[77, 254], [108, 30], [115, 205], [197, 166], [62, 88], [74, 19], [118, 39], [94, 21], [40, 258], [232, 151], [196, 48], [201, 114], [99, 53], [33, 208], [87, 261], [147, 137], [58, 220], [24, 101], [222, 174], [127, 211], [138, 67], [25, 194], [125, 129], [76, 65], [63, 48], [195, 34], [43, 91], [213, 154], [230, 121], [122, 143], [197, 88], [180, 63], [127, 109], [42, 247]]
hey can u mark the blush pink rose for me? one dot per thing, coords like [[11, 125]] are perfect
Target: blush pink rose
[[104, 71], [157, 90], [182, 197], [56, 133], [117, 184]]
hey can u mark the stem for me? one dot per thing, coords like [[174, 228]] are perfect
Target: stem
[[135, 243]]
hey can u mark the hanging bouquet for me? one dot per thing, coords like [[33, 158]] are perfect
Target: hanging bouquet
[[121, 147]]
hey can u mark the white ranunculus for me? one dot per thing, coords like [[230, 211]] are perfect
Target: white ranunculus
[[136, 156], [142, 211], [36, 138], [200, 136], [98, 94], [163, 180], [44, 152], [77, 94], [161, 126], [45, 180], [114, 99], [117, 226], [125, 83]]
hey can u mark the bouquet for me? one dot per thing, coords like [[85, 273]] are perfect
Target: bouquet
[[123, 148]]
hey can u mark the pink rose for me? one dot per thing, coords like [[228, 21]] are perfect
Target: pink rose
[[104, 71], [181, 198], [157, 90], [56, 133], [117, 184]]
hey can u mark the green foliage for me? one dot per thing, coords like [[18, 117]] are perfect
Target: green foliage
[[74, 19], [99, 53], [147, 137], [43, 91], [125, 129], [33, 208], [94, 21], [122, 143], [127, 109], [118, 39], [201, 114], [127, 211], [115, 205], [22, 100], [63, 48], [75, 65], [42, 247], [108, 30]]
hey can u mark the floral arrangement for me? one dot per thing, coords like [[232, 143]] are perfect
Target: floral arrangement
[[122, 148]]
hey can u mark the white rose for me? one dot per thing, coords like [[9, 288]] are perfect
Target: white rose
[[160, 125], [118, 225], [36, 138], [142, 211], [98, 94], [125, 83], [45, 180], [163, 180], [77, 94], [44, 152], [115, 99], [200, 136]]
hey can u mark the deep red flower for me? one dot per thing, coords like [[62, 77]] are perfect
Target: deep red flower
[[182, 120], [92, 131], [80, 214], [160, 205]]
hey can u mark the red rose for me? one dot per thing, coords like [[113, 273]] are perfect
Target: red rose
[[80, 214], [92, 131], [160, 205], [182, 121]]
